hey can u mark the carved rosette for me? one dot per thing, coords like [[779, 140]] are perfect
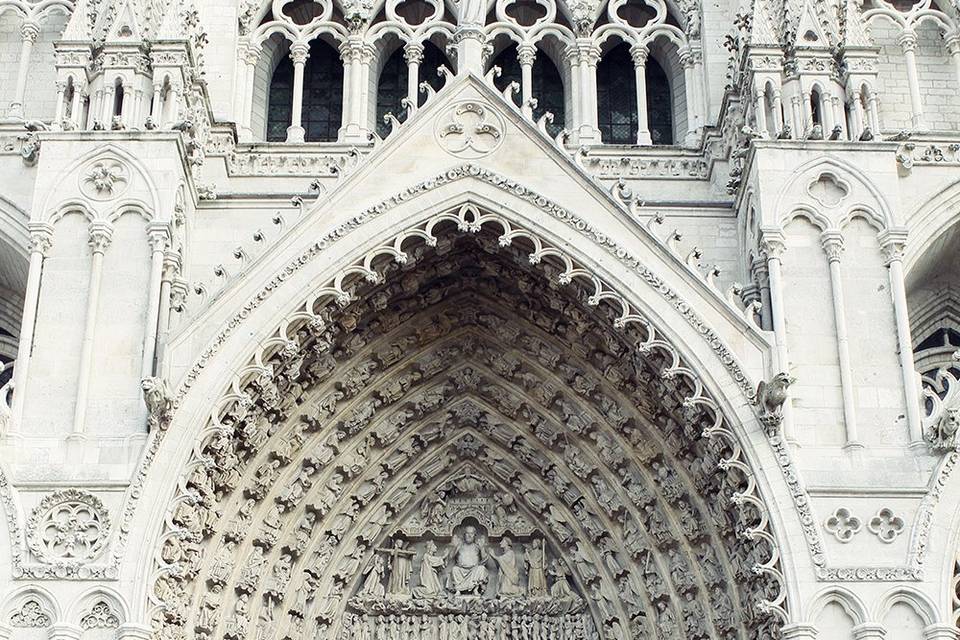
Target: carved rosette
[[69, 527], [470, 130]]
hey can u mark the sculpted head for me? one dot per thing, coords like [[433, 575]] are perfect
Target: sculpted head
[[431, 546], [470, 534]]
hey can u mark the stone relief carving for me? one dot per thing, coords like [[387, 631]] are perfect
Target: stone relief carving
[[31, 616], [100, 616], [104, 179], [68, 527], [470, 130], [843, 525]]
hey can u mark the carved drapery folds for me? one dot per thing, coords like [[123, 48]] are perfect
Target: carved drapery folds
[[457, 442]]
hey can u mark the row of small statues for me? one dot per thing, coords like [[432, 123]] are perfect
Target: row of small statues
[[468, 574], [469, 627]]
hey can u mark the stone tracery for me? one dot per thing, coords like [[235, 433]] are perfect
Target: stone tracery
[[399, 393]]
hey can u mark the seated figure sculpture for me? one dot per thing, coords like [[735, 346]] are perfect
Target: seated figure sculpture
[[469, 573]]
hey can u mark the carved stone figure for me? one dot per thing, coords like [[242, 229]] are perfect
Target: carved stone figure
[[535, 557], [373, 581], [468, 574], [772, 395], [561, 580], [401, 566], [431, 564], [159, 400], [509, 583], [942, 436]]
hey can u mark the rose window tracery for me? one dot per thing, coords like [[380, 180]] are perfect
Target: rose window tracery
[[464, 391], [68, 526]]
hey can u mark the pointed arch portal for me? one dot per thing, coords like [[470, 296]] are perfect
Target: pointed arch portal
[[465, 435]]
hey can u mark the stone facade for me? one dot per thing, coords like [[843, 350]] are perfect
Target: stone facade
[[498, 373]]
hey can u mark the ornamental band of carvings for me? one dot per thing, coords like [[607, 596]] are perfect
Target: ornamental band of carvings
[[31, 616], [68, 527]]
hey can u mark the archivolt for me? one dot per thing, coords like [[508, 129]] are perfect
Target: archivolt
[[350, 412]]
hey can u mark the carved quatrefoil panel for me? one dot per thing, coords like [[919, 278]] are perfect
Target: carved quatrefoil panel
[[69, 526], [843, 525], [470, 130], [885, 525]]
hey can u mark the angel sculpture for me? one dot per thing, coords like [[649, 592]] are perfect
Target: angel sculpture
[[469, 573]]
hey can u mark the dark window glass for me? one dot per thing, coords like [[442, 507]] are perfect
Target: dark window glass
[[391, 90], [617, 99], [659, 104], [392, 85], [280, 110], [322, 96], [547, 85]]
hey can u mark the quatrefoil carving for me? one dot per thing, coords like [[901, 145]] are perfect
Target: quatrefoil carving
[[885, 525], [843, 525]]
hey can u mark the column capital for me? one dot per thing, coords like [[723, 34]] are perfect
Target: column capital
[[299, 52], [686, 55], [799, 631], [413, 52], [869, 631], [30, 30], [952, 41], [587, 51], [639, 53], [250, 53], [41, 237], [171, 265], [893, 242], [907, 40], [773, 243], [133, 631], [832, 243], [526, 53], [941, 632], [354, 49], [158, 234], [64, 631], [101, 233]]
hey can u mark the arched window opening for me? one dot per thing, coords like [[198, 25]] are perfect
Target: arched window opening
[[617, 102], [68, 96], [391, 90], [816, 114], [322, 96], [433, 59], [546, 85], [659, 104], [118, 98]]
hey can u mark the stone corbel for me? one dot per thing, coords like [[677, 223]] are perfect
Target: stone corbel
[[869, 631], [799, 631], [941, 632]]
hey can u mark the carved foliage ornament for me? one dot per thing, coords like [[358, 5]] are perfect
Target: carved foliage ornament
[[104, 179], [100, 616], [69, 526], [31, 615]]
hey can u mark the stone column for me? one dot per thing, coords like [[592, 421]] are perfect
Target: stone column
[[76, 106], [29, 32], [126, 107], [873, 112], [100, 235], [299, 52], [839, 115], [760, 111], [573, 63], [156, 112], [356, 55], [869, 631], [413, 55], [171, 267], [908, 42], [106, 105], [774, 247], [469, 40], [952, 42], [777, 109], [832, 243], [41, 239], [96, 108], [639, 53], [249, 56], [797, 111], [762, 277], [689, 82], [159, 236], [826, 113], [589, 56], [526, 55], [892, 243], [61, 93], [859, 117], [176, 90]]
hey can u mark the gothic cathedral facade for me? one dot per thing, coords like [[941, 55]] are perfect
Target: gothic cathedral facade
[[479, 319]]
